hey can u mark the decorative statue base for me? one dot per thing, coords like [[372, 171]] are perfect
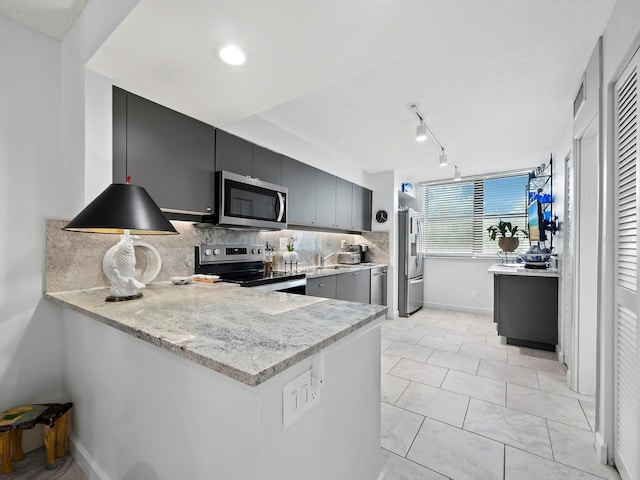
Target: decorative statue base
[[123, 284]]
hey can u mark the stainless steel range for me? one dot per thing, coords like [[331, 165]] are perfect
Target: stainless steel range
[[243, 264]]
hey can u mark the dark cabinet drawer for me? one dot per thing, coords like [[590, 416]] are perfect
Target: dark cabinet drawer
[[318, 285]]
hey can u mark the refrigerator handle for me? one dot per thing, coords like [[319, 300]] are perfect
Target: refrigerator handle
[[418, 253]]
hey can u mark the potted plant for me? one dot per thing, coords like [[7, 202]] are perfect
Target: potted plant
[[507, 243]]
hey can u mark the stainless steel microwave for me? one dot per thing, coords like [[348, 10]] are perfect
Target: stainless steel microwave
[[250, 202]]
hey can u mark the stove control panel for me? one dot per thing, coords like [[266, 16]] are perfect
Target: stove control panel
[[208, 254]]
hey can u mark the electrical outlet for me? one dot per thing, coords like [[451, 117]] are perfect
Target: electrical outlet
[[474, 294], [343, 244], [283, 243]]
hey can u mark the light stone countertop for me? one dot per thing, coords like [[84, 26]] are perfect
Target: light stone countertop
[[518, 269], [248, 335]]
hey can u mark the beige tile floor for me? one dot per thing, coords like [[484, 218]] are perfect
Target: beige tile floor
[[457, 403]]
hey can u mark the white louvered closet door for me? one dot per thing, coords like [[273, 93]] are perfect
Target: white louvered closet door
[[627, 352]]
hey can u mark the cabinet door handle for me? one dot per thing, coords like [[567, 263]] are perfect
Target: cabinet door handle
[[208, 209], [321, 285]]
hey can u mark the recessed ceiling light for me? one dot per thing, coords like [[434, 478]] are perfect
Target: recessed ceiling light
[[232, 55]]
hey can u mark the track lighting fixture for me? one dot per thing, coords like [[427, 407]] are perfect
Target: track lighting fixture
[[421, 133], [424, 131], [443, 159]]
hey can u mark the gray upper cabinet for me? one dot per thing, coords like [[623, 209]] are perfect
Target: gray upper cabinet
[[300, 180], [361, 208], [325, 199], [267, 165], [233, 154], [354, 286], [344, 199], [170, 154], [237, 155]]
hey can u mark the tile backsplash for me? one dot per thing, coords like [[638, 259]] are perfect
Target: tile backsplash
[[74, 260]]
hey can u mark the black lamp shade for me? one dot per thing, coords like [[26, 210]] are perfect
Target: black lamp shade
[[122, 207]]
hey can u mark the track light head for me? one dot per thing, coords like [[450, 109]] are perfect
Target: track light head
[[457, 177], [421, 133], [443, 159]]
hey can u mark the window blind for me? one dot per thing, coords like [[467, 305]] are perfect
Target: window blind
[[459, 213]]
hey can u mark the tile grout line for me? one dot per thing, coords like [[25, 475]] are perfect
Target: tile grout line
[[553, 455], [414, 438]]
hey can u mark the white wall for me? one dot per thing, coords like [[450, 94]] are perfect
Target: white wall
[[42, 170], [30, 328], [459, 284], [385, 198]]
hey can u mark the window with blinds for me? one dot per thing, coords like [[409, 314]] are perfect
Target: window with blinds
[[457, 214]]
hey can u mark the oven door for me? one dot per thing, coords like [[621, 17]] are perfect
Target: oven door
[[249, 202]]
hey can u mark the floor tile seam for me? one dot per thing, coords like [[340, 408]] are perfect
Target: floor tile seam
[[466, 431], [565, 396], [431, 418], [419, 382], [504, 462], [388, 346], [413, 461], [502, 380], [551, 419], [566, 464], [553, 453], [471, 396], [555, 394], [414, 438], [585, 416], [509, 444], [400, 396], [561, 463]]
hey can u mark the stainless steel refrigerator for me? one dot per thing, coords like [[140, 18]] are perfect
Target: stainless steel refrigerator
[[410, 263]]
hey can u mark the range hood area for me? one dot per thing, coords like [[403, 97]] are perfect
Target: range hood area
[[197, 172]]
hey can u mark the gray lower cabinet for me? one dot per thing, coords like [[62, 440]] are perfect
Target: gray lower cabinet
[[526, 310], [322, 286], [354, 286], [170, 154]]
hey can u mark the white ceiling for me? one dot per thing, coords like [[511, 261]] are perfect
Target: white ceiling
[[51, 17], [494, 78]]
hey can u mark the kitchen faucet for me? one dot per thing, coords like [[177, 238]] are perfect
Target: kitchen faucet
[[323, 258]]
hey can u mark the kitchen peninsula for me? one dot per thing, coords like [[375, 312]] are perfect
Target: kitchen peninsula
[[203, 394]]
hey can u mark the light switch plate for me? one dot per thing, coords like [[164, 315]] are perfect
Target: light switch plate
[[283, 243], [298, 397]]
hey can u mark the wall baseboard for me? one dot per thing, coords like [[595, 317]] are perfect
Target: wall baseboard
[[85, 461], [601, 448], [458, 308], [393, 314]]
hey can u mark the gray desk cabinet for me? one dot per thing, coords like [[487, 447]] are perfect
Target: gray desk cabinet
[[526, 310], [354, 286]]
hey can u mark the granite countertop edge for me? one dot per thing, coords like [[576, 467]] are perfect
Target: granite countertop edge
[[519, 270], [248, 378]]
